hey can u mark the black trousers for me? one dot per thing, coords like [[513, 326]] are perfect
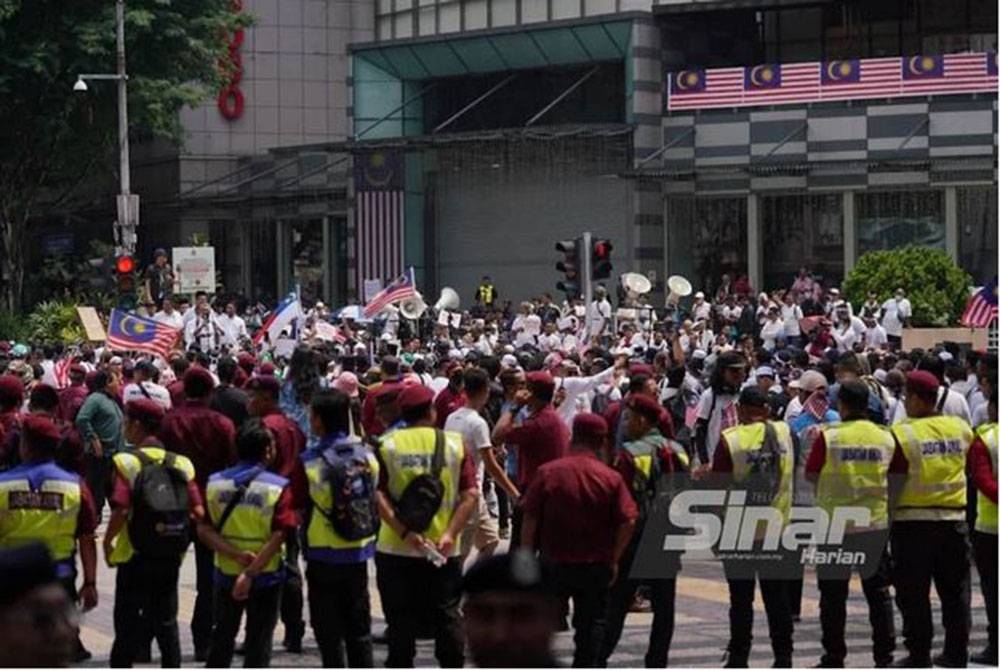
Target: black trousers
[[292, 602], [262, 616], [341, 613], [98, 471], [201, 618], [587, 585], [985, 545], [516, 521], [833, 591], [938, 551], [151, 587], [662, 593], [413, 592], [743, 578]]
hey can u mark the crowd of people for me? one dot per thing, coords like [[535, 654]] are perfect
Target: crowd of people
[[565, 429]]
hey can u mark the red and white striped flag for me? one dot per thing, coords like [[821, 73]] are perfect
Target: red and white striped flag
[[61, 372], [981, 310], [402, 287], [129, 332], [378, 215]]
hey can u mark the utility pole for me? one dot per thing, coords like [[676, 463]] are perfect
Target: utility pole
[[128, 204], [588, 285]]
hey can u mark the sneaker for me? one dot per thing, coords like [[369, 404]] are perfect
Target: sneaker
[[985, 657], [943, 661]]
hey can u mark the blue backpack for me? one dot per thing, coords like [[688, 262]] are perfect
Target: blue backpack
[[354, 512]]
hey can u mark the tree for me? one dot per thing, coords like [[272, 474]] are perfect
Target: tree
[[52, 140], [936, 287]]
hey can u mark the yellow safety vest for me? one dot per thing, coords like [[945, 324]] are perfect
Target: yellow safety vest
[[322, 542], [407, 453], [744, 442], [128, 465], [486, 293], [248, 527], [644, 450], [986, 509], [40, 502], [935, 448], [855, 473]]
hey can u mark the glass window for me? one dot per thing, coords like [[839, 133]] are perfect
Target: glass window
[[802, 231], [307, 258], [977, 232], [706, 238], [895, 219]]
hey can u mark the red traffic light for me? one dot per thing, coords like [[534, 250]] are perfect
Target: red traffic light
[[124, 265], [602, 249]]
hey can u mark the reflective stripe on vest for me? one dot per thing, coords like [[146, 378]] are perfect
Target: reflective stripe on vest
[[986, 509], [746, 440], [40, 502], [855, 473], [407, 453], [248, 527], [935, 448], [320, 533], [486, 293], [128, 465]]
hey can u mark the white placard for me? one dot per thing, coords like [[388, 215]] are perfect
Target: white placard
[[195, 269]]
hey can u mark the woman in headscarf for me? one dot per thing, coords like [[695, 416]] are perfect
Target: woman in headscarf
[[301, 381]]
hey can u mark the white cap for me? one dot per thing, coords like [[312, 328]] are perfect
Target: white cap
[[509, 361], [699, 353], [699, 294], [764, 371], [946, 356]]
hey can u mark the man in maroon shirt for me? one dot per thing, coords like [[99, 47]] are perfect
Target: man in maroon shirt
[[580, 515], [72, 397], [208, 438], [641, 382], [289, 442], [541, 438], [390, 377], [451, 397]]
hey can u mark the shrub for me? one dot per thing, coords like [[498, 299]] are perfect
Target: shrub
[[936, 287], [55, 321]]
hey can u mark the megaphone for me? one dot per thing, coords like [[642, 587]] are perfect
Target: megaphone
[[449, 300], [679, 287], [413, 308], [636, 283]]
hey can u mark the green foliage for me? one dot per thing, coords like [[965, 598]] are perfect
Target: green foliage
[[55, 321], [13, 327], [936, 287]]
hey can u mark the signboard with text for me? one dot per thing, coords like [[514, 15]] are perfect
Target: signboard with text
[[194, 268]]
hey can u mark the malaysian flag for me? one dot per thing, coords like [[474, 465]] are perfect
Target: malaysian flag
[[846, 79], [128, 332], [402, 287], [378, 214], [61, 372], [981, 309]]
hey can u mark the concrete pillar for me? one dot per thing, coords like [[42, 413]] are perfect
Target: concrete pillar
[[850, 232], [951, 222], [755, 245]]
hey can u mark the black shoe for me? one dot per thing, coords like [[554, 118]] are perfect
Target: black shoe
[[143, 656], [985, 657], [827, 662], [200, 655], [796, 618], [884, 662], [241, 649], [293, 645], [782, 662], [81, 655], [943, 661], [731, 660], [912, 662]]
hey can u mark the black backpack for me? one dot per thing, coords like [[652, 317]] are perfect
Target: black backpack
[[421, 499], [354, 513], [159, 525]]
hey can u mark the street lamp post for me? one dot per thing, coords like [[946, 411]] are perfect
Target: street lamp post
[[127, 203]]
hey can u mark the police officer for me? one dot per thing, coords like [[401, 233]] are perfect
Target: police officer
[[646, 462], [249, 516], [336, 567], [756, 457], [144, 584], [983, 468], [929, 534], [486, 293], [418, 565], [849, 463], [41, 502]]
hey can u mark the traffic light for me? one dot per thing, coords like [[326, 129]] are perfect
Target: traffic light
[[570, 266], [127, 298], [600, 259]]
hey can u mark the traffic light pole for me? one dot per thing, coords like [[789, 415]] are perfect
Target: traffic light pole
[[588, 285]]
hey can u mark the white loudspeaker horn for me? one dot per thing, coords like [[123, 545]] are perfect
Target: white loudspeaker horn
[[636, 283], [449, 300], [679, 287], [413, 308]]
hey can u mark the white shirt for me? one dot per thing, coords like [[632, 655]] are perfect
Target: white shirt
[[233, 329], [152, 392], [894, 312], [549, 343], [770, 331], [790, 316], [475, 436], [732, 313], [201, 331], [875, 337], [845, 337], [954, 405], [701, 310], [174, 319], [723, 416], [598, 315], [578, 391], [529, 326]]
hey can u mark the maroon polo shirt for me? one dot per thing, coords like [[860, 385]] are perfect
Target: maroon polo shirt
[[71, 399], [543, 437], [176, 391], [580, 503], [614, 411], [289, 442], [205, 436], [446, 402]]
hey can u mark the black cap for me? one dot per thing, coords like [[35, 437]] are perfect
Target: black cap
[[518, 571], [753, 396]]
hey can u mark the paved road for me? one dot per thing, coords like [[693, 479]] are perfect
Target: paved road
[[699, 639]]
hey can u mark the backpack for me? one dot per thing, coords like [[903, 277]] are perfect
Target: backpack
[[764, 481], [354, 512], [643, 488], [422, 497], [159, 525]]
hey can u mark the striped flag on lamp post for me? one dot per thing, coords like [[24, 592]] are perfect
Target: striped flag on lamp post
[[981, 310]]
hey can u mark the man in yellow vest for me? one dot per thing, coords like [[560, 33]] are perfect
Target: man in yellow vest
[[983, 470], [427, 492], [249, 515], [486, 294], [757, 458], [340, 523], [41, 502], [148, 564], [929, 534], [849, 464]]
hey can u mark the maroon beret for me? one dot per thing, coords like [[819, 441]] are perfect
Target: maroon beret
[[201, 374], [645, 405], [267, 383], [414, 397], [540, 379], [589, 428], [11, 389], [640, 369], [246, 360], [145, 410], [267, 369], [40, 431], [922, 383]]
